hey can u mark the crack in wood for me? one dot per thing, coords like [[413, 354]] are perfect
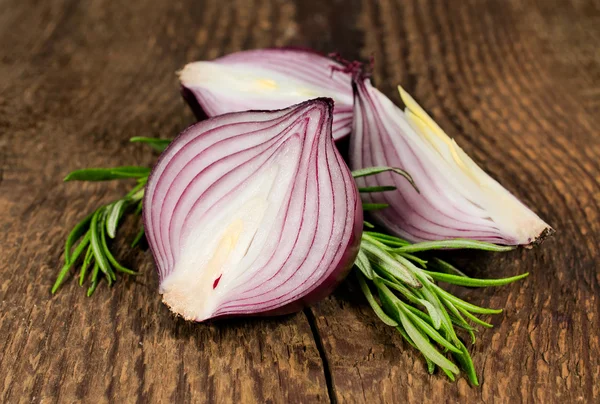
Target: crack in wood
[[312, 321]]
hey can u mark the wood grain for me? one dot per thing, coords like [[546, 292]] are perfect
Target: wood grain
[[496, 76], [517, 83]]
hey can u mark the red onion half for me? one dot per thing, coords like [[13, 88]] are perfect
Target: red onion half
[[457, 199], [252, 212], [268, 79]]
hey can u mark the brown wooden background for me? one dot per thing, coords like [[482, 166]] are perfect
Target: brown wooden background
[[517, 83]]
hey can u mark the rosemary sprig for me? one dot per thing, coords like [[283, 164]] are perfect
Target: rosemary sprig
[[91, 233], [407, 297]]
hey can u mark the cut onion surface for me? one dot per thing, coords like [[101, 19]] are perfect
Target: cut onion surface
[[252, 212], [268, 79], [455, 198]]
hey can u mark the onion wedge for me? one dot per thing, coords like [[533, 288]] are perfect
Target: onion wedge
[[268, 79], [455, 198], [252, 212]]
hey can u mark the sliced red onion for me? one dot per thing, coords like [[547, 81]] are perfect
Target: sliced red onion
[[268, 79], [457, 199], [252, 212]]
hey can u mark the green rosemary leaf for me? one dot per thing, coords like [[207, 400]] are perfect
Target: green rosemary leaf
[[112, 259], [467, 327], [139, 195], [137, 192], [104, 174], [474, 318], [473, 282], [97, 249], [363, 172], [418, 272], [373, 303], [386, 238], [368, 225], [425, 346], [430, 363], [138, 209], [375, 234], [383, 188], [387, 263], [86, 263], [454, 243], [374, 206], [79, 230], [129, 172], [430, 366], [407, 338], [449, 374], [391, 244], [382, 275], [138, 238], [466, 362], [445, 321], [396, 272], [457, 318], [429, 292], [436, 317], [465, 305], [414, 258], [395, 307], [362, 262], [115, 212], [102, 226], [424, 316], [444, 266], [430, 331], [68, 264], [376, 242], [388, 300], [154, 142], [471, 331], [94, 284], [409, 294]]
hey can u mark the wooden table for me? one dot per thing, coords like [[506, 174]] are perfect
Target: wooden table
[[516, 83]]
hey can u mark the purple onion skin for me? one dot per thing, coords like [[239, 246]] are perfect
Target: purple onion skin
[[343, 261]]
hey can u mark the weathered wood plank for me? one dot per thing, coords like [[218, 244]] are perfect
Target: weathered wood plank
[[513, 82], [516, 83]]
